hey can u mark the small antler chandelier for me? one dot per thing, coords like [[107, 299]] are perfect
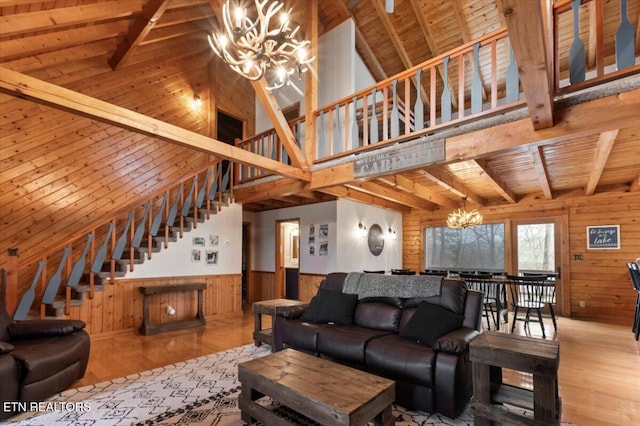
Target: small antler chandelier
[[261, 48], [464, 219]]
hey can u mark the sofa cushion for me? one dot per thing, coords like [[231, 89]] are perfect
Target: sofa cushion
[[401, 359], [301, 335], [429, 322], [331, 307], [378, 315], [346, 343]]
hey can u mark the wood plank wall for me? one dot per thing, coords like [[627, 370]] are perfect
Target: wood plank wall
[[600, 279], [264, 285], [118, 308], [62, 173]]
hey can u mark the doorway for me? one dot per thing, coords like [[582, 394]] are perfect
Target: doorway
[[228, 129], [537, 249], [287, 266]]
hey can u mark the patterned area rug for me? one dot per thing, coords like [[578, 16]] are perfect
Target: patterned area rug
[[201, 391]]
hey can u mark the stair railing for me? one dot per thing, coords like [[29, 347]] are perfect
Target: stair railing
[[123, 239]]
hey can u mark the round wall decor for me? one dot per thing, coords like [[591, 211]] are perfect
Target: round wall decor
[[375, 239]]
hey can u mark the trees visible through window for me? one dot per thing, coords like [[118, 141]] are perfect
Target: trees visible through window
[[477, 249], [536, 247]]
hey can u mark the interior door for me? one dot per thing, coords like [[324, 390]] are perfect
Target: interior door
[[536, 245]]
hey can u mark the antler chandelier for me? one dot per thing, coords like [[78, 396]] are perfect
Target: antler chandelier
[[464, 219], [256, 48]]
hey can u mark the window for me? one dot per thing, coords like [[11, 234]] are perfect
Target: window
[[480, 248], [536, 247]]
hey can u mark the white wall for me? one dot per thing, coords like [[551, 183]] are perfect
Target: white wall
[[175, 260], [353, 252], [364, 78], [264, 240]]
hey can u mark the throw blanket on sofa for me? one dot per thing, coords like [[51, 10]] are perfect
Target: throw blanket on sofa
[[377, 285]]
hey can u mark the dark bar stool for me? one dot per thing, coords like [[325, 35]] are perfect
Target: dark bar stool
[[634, 273]]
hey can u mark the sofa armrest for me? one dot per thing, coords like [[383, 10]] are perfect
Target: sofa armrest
[[5, 348], [291, 312], [39, 328], [456, 342]]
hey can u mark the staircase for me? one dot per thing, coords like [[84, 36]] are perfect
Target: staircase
[[128, 239]]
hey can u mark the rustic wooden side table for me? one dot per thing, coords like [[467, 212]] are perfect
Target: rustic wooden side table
[[268, 307], [490, 353]]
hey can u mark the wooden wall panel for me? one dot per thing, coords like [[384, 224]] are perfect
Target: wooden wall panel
[[308, 286], [118, 308], [62, 173], [264, 285], [600, 279]]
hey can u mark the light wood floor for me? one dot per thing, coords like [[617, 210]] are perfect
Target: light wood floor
[[599, 363]]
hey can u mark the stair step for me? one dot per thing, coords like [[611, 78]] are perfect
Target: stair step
[[85, 288]]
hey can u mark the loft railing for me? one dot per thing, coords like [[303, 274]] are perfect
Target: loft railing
[[476, 79], [442, 91], [268, 144], [593, 42], [124, 239]]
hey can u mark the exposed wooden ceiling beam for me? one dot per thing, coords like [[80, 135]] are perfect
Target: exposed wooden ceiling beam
[[280, 124], [603, 149], [173, 31], [151, 12], [453, 184], [541, 170], [26, 87], [351, 194], [397, 43], [270, 189], [407, 185], [495, 180], [29, 46], [21, 23], [390, 194], [525, 24]]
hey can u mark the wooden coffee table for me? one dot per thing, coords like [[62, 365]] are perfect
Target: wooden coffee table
[[321, 390]]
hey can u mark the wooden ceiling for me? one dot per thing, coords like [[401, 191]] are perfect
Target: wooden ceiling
[[32, 31]]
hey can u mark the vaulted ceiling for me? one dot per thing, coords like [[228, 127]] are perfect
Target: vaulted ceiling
[[569, 163]]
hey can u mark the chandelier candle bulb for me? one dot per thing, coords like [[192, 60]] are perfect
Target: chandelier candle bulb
[[257, 48]]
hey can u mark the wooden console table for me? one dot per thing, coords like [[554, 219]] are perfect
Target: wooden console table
[[147, 328], [492, 351], [268, 307]]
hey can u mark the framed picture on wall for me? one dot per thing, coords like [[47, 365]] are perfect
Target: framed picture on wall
[[213, 240], [196, 255], [212, 257], [198, 241], [603, 237]]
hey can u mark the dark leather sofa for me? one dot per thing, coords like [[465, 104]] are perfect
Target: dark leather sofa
[[433, 378], [39, 358]]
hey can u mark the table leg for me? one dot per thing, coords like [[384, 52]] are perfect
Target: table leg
[[385, 418], [544, 399], [257, 326], [481, 390]]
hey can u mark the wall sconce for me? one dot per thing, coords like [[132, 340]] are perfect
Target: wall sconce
[[197, 102], [392, 235], [362, 230]]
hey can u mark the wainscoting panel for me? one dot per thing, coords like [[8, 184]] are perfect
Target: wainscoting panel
[[119, 307]]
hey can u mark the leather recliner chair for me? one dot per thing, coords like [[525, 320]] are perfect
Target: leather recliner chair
[[39, 358]]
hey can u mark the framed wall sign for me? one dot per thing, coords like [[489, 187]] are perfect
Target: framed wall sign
[[603, 237]]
